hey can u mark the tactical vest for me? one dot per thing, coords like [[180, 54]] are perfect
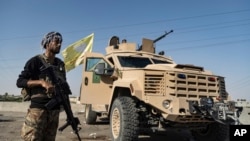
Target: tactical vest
[[59, 70]]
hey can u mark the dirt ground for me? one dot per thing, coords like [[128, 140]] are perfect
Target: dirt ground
[[11, 122]]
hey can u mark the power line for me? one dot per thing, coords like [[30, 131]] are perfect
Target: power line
[[209, 45], [213, 38], [245, 82], [137, 24]]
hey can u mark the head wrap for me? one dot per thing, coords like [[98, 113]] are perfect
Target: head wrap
[[49, 37]]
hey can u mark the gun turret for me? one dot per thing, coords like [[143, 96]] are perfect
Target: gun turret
[[147, 44]]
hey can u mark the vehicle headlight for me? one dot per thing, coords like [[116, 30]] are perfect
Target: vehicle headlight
[[166, 104]]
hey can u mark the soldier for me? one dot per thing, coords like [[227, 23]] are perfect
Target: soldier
[[40, 123]]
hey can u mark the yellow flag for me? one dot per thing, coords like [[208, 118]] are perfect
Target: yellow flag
[[73, 54]]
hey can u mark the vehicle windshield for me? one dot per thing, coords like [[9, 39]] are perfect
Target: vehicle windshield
[[134, 62]]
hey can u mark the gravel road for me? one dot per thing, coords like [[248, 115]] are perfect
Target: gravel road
[[11, 122]]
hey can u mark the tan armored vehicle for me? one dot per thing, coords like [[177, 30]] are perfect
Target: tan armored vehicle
[[139, 90]]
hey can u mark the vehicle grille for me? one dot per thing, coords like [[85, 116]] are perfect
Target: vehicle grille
[[155, 84], [188, 85]]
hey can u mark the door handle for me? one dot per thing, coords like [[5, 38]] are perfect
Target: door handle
[[86, 81]]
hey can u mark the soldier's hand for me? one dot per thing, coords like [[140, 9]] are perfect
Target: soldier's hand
[[48, 86]]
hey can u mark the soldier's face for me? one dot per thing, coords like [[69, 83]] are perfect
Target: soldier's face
[[55, 46]]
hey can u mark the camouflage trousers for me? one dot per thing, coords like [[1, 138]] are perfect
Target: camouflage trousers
[[40, 125]]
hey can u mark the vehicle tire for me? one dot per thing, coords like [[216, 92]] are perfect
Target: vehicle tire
[[90, 116], [124, 123], [214, 132]]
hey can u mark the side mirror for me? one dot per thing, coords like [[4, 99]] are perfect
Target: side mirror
[[101, 70]]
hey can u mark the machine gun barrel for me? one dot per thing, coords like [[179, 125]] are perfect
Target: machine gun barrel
[[162, 36]]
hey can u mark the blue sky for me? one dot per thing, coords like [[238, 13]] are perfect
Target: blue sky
[[209, 33]]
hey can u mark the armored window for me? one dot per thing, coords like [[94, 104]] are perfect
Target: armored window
[[157, 61], [134, 62]]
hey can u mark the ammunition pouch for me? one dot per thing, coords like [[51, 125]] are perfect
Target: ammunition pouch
[[26, 94]]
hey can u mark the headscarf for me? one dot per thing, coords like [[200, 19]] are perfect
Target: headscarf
[[49, 37]]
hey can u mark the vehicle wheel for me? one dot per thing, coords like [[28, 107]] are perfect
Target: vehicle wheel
[[90, 115], [213, 132], [124, 123]]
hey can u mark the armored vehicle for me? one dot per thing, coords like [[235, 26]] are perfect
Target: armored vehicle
[[139, 90]]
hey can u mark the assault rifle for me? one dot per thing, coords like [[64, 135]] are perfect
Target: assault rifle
[[61, 98]]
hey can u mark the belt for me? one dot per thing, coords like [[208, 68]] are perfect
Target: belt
[[37, 90], [38, 95]]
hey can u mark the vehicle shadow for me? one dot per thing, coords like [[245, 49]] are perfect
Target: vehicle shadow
[[170, 135]]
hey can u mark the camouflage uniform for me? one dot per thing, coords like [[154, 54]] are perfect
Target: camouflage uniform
[[40, 125]]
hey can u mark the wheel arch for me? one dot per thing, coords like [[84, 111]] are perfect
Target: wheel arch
[[117, 92]]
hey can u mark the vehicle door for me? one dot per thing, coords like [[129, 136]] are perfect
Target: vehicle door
[[95, 89]]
